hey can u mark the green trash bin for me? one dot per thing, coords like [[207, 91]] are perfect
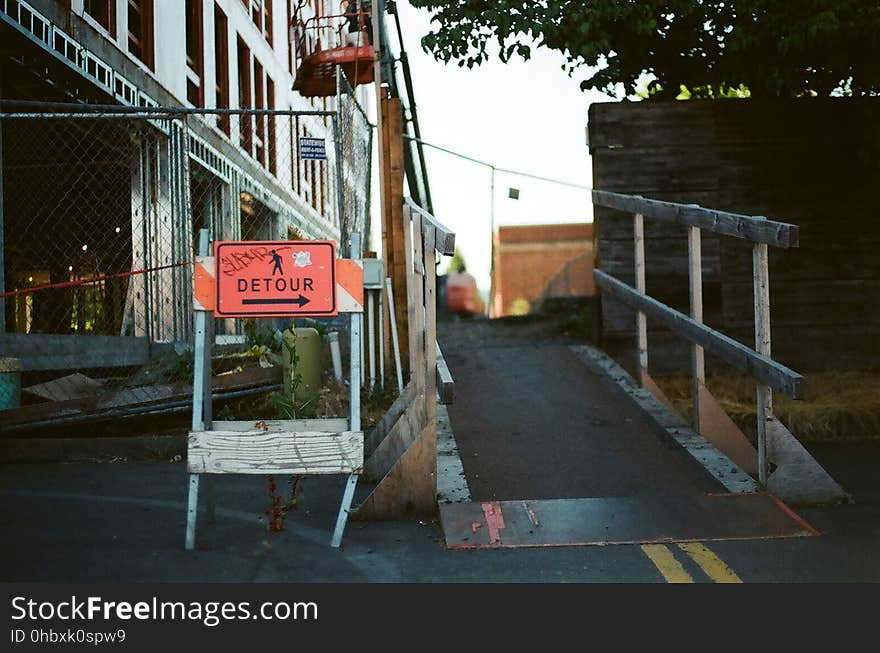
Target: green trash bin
[[306, 343], [10, 383]]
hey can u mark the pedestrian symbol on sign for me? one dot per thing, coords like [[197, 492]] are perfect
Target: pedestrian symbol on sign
[[276, 259]]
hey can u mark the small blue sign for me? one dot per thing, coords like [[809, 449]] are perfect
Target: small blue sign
[[312, 148]]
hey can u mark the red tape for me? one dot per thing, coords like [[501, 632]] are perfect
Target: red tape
[[83, 282]]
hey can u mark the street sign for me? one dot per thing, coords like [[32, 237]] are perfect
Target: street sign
[[312, 148], [282, 278]]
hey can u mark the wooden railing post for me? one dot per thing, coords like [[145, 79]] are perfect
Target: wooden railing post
[[641, 321], [695, 289], [430, 342], [761, 279]]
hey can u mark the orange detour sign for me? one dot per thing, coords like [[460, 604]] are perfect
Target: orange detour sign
[[276, 278]]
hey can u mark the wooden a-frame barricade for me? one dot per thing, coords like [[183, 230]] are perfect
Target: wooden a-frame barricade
[[295, 447]]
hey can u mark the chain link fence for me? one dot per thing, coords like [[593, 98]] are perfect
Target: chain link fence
[[100, 220], [355, 152]]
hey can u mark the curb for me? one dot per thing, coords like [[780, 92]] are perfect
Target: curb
[[716, 463]]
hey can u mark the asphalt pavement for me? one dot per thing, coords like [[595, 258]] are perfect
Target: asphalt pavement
[[124, 522]]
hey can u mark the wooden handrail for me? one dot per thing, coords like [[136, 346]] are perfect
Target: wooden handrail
[[757, 229], [444, 240], [740, 356]]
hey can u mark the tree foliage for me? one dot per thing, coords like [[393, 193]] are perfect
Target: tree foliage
[[776, 48]]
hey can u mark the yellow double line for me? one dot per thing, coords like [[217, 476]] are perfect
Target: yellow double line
[[673, 571]]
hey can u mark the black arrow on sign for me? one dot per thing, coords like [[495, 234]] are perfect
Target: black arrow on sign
[[300, 300]]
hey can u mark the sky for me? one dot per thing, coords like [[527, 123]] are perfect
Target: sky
[[528, 116]]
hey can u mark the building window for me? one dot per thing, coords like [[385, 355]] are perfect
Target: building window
[[221, 66], [246, 136], [260, 97], [261, 15], [140, 30], [194, 53], [103, 12], [271, 145]]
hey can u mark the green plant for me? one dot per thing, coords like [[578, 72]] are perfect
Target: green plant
[[181, 366], [772, 48], [286, 404], [287, 407], [257, 335]]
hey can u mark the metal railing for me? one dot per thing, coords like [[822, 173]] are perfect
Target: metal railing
[[761, 233]]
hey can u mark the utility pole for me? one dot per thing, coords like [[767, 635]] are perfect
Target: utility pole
[[494, 169]]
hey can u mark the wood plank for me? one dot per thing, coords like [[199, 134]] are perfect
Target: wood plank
[[753, 228], [807, 303], [429, 342], [325, 424], [417, 297], [72, 386], [701, 124], [641, 322], [717, 427], [45, 351], [409, 490], [821, 256], [399, 439], [648, 171], [261, 452], [695, 290], [445, 382], [389, 419], [764, 369], [444, 236], [397, 265]]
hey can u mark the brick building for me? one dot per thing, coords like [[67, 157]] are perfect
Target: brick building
[[527, 257]]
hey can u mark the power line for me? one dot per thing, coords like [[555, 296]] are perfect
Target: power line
[[496, 168]]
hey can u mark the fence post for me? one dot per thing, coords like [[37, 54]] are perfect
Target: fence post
[[371, 334], [641, 323], [430, 320], [761, 281], [695, 288], [339, 182], [201, 416], [355, 366], [2, 239]]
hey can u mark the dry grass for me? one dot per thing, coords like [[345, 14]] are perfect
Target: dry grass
[[838, 406]]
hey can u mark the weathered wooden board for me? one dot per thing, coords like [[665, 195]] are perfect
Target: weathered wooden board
[[44, 351], [389, 419], [326, 424], [399, 439], [824, 302], [766, 370], [262, 452], [409, 489], [445, 382], [822, 257], [72, 386], [710, 124], [663, 256], [444, 237], [753, 228]]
